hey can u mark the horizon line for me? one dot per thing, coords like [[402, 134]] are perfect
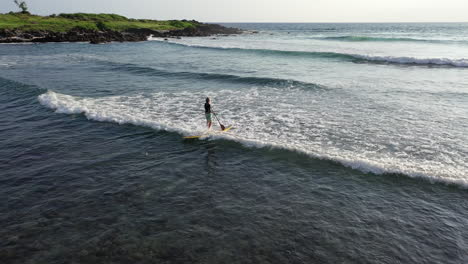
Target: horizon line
[[271, 22], [404, 22]]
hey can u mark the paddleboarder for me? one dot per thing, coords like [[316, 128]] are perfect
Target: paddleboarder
[[208, 112]]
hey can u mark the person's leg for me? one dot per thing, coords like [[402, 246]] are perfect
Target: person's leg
[[208, 120]]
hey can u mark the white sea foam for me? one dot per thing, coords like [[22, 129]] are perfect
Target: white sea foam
[[264, 117], [113, 109]]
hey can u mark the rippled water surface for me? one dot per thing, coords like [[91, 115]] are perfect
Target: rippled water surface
[[349, 146]]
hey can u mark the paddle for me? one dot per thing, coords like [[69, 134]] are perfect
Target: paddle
[[222, 127]]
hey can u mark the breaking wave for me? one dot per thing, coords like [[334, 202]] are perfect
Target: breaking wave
[[155, 112], [356, 58]]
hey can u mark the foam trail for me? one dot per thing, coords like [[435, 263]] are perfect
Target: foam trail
[[275, 123]]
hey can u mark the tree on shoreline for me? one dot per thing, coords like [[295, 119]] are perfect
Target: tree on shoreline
[[22, 5]]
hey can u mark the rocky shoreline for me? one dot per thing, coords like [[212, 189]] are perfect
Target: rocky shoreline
[[97, 37]]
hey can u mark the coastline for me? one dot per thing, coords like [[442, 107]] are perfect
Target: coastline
[[99, 28]]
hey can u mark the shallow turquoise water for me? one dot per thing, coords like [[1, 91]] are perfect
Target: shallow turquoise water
[[350, 145]]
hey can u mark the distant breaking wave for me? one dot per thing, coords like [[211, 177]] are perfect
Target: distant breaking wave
[[356, 58], [462, 63]]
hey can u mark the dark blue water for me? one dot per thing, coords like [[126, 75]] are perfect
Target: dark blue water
[[323, 166]]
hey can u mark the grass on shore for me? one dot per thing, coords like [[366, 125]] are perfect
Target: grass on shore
[[66, 22]]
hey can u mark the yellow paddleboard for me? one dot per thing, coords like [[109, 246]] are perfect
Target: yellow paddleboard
[[208, 133]]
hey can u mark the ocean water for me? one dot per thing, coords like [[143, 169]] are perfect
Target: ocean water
[[350, 145]]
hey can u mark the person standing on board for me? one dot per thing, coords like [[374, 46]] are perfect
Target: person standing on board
[[208, 112]]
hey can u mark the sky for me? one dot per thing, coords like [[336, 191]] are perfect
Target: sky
[[261, 10]]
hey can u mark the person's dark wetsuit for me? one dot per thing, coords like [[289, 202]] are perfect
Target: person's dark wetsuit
[[207, 108]]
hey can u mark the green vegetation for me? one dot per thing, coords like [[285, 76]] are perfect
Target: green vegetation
[[66, 22]]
